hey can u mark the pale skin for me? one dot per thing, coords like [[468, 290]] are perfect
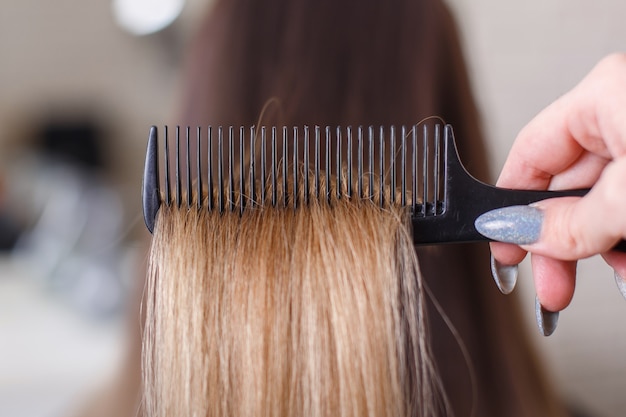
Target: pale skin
[[579, 141]]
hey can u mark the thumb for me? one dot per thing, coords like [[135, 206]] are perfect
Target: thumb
[[575, 228]]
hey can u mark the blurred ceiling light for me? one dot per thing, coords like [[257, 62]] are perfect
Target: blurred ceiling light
[[142, 17]]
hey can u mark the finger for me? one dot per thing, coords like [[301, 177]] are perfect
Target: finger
[[576, 228], [583, 173], [590, 118], [506, 253], [605, 90], [531, 163], [617, 261], [555, 281]]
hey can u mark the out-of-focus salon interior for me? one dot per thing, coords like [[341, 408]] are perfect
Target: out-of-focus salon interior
[[80, 84]]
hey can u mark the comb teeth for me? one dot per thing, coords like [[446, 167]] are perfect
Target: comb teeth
[[228, 169]]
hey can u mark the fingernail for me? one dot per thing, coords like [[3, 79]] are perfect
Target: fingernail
[[546, 320], [621, 284], [520, 225], [504, 275]]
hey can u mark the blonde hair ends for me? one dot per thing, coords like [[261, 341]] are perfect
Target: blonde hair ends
[[314, 311]]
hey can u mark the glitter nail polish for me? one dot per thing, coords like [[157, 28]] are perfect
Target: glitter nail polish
[[520, 225], [505, 276]]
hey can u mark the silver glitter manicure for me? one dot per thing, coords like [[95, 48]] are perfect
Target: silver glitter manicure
[[505, 276], [546, 320], [520, 225], [621, 284]]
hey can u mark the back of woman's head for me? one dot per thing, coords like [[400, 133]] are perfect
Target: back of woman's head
[[351, 62], [329, 62]]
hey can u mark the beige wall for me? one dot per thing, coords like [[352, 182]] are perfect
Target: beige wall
[[522, 55]]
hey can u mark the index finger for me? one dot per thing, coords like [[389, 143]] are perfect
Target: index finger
[[588, 119]]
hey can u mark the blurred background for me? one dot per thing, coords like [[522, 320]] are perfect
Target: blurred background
[[81, 82]]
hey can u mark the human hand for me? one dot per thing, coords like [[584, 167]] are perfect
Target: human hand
[[579, 141]]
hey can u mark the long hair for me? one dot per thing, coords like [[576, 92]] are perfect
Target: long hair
[[347, 62], [314, 311]]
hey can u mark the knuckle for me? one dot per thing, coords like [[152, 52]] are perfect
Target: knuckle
[[573, 234], [613, 194], [568, 233], [616, 60]]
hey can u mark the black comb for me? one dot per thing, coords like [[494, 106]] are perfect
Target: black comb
[[416, 166]]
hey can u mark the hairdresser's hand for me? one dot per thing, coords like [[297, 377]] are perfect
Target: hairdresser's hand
[[579, 141]]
